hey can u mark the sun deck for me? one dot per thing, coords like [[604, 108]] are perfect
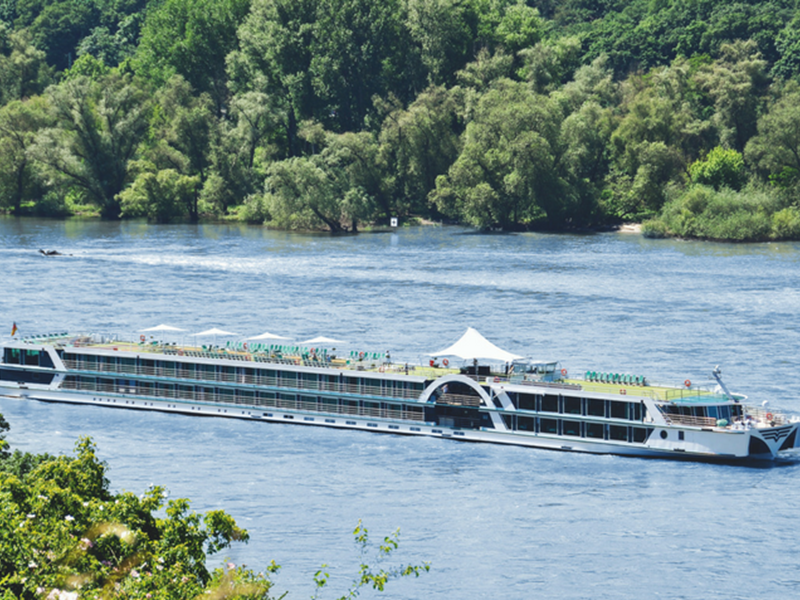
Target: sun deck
[[376, 362]]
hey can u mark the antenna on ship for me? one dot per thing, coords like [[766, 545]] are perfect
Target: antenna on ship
[[717, 373]]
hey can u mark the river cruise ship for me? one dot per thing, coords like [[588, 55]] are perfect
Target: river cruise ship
[[521, 401]]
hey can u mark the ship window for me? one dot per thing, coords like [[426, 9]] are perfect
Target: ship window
[[509, 421], [11, 356], [45, 360], [25, 376], [618, 410], [308, 403], [595, 408], [372, 409], [572, 406], [636, 412], [393, 411], [548, 425], [31, 357], [640, 434], [571, 428], [329, 405], [372, 386], [225, 395], [618, 432], [525, 423], [595, 430], [288, 379], [207, 372], [527, 402], [351, 385], [550, 403], [309, 381]]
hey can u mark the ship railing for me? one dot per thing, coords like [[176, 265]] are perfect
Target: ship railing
[[655, 391], [458, 400], [403, 413], [765, 415], [690, 421], [380, 390]]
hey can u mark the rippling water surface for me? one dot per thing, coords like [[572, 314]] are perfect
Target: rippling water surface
[[493, 521]]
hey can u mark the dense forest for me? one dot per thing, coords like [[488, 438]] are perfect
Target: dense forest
[[341, 114]]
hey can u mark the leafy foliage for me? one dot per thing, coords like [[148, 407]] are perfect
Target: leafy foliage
[[497, 113], [64, 535]]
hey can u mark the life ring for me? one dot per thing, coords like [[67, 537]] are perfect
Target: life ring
[[142, 338], [563, 372], [360, 356], [432, 362], [769, 416], [380, 369], [687, 383], [180, 352], [497, 380], [445, 362], [244, 346], [623, 392]]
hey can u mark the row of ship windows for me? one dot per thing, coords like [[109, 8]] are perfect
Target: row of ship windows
[[573, 405], [250, 375], [568, 428], [259, 398]]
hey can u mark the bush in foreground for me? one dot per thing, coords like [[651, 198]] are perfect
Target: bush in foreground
[[64, 536]]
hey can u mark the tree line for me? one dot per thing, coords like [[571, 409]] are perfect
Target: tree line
[[340, 114]]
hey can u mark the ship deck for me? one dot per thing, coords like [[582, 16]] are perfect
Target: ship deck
[[366, 362]]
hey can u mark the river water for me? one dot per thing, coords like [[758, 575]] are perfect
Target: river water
[[493, 521]]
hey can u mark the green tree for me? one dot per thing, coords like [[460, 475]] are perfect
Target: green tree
[[64, 534], [246, 143], [99, 125], [736, 82], [361, 49], [775, 151], [417, 145], [4, 427], [506, 175], [183, 133], [443, 30], [19, 123], [160, 195], [274, 58], [191, 38], [721, 168], [63, 530], [661, 131], [335, 189], [23, 70]]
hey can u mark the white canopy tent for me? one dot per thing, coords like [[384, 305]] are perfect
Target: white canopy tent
[[321, 341], [162, 327], [215, 332], [473, 346], [268, 336]]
